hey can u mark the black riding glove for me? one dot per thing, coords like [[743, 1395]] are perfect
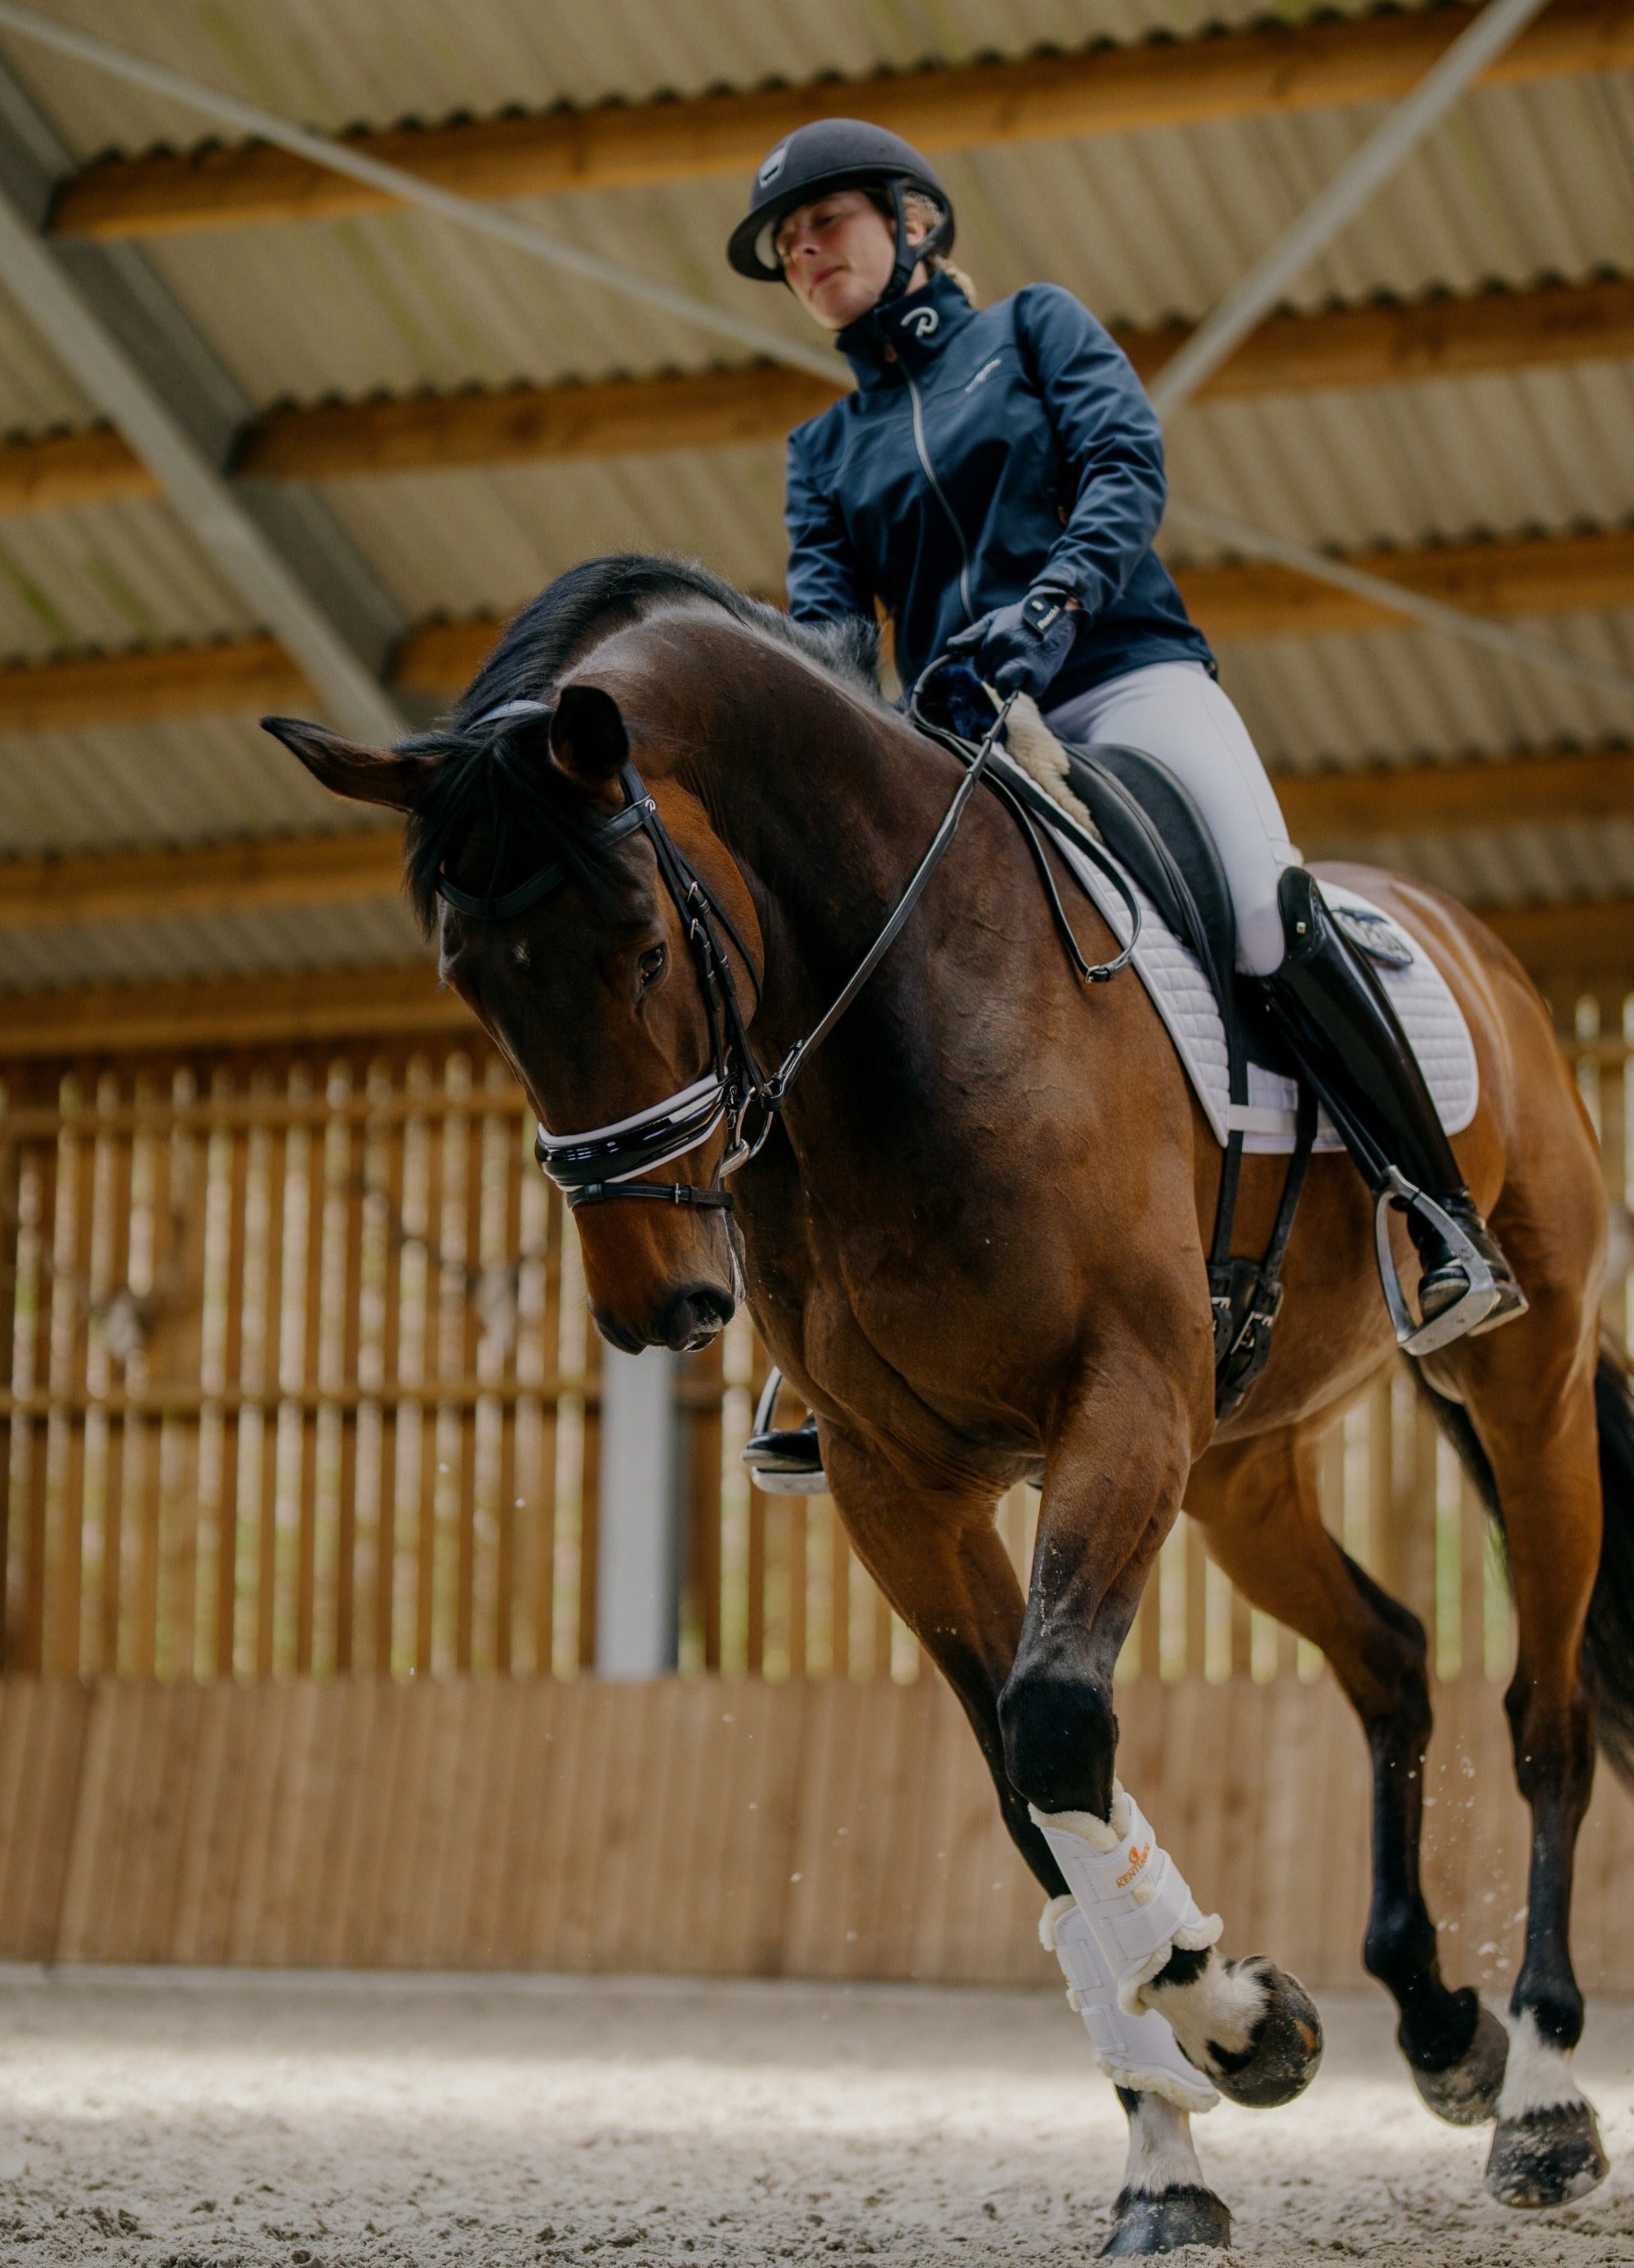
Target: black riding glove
[[1020, 649]]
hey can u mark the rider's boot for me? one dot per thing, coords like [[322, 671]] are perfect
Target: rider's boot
[[783, 1461], [1337, 1021]]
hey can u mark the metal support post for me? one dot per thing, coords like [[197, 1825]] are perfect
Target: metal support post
[[638, 1561]]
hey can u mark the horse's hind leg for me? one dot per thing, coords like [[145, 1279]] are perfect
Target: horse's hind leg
[[1537, 1425], [1258, 1508]]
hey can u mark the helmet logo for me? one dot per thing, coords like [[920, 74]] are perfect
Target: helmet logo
[[772, 167], [922, 322]]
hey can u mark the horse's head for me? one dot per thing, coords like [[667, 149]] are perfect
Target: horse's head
[[562, 931]]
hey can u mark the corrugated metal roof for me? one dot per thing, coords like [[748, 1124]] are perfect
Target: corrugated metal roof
[[381, 61], [107, 575], [1521, 183], [161, 950], [199, 780], [1416, 695]]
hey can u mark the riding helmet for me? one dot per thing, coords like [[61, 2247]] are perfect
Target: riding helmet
[[834, 153]]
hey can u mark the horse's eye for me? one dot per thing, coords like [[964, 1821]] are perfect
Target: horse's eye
[[652, 964]]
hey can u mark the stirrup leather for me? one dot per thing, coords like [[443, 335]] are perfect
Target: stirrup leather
[[1464, 1315]]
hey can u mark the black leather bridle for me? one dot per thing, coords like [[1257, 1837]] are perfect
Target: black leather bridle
[[611, 1162]]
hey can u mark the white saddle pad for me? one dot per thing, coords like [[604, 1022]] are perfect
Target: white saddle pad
[[1430, 1017]]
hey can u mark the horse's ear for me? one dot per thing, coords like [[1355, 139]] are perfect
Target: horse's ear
[[363, 774], [587, 737]]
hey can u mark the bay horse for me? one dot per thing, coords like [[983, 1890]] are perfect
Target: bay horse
[[974, 1239]]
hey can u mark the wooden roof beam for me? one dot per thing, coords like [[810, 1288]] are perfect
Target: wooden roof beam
[[149, 685], [1386, 344], [1548, 575], [203, 877], [1545, 575], [1326, 811], [242, 1011], [1261, 69], [1560, 944]]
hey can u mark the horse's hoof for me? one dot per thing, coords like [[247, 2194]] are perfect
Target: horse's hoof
[[1285, 2050], [1466, 2092], [1147, 2223], [1547, 2157]]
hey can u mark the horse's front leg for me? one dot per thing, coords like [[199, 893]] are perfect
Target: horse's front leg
[[1115, 1473], [936, 1555]]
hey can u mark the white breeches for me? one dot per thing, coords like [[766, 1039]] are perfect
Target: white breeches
[[1175, 711]]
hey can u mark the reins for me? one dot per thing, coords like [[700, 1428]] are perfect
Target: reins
[[612, 1161]]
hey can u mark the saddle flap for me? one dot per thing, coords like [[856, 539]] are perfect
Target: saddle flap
[[1150, 822]]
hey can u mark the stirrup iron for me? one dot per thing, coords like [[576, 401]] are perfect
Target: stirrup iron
[[782, 1461], [1420, 1339]]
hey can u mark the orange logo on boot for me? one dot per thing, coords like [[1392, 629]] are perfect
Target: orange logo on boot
[[1138, 1859]]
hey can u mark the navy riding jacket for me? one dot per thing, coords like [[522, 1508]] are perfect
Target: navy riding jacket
[[984, 451]]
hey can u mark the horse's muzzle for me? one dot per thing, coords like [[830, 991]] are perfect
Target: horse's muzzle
[[692, 1317], [688, 1318]]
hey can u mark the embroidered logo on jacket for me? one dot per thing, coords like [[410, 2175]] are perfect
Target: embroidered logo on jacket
[[922, 322]]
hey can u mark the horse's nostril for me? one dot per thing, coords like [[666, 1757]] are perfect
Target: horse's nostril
[[693, 1315]]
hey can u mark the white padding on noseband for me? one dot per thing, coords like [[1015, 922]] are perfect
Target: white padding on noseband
[[1137, 2051], [1129, 1889]]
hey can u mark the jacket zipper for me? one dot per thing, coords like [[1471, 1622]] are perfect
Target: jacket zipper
[[940, 493]]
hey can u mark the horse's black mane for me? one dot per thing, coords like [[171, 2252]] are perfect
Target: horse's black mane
[[491, 777]]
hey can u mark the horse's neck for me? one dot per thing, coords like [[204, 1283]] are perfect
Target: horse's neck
[[830, 826]]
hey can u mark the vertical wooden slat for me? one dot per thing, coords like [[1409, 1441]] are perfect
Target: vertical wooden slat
[[754, 1640], [179, 1332], [10, 1211], [139, 1641], [232, 1166], [704, 1384], [538, 1289], [60, 1540], [455, 1490], [273, 1254], [797, 1510], [496, 1317], [300, 1358], [377, 1477], [841, 1564], [590, 1503]]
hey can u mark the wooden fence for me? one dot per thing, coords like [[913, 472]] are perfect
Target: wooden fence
[[298, 1542], [300, 1384], [818, 1827]]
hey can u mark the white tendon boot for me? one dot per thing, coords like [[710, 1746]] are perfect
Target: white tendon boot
[[1136, 1909], [1138, 2051]]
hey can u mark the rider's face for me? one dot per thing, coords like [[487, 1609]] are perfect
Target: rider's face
[[837, 255]]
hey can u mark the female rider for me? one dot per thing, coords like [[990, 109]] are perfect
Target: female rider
[[995, 482]]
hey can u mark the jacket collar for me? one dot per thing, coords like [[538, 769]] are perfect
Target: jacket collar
[[917, 326]]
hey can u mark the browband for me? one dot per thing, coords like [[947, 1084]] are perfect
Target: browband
[[543, 880]]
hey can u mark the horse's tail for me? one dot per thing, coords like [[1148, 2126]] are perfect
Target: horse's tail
[[1610, 1636]]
